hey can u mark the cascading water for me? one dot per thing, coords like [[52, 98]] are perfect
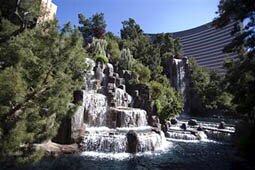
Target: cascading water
[[203, 131], [106, 127], [122, 98], [95, 109], [180, 83]]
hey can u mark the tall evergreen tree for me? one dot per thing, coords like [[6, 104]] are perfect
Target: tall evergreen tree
[[92, 27], [240, 76], [39, 71], [16, 16]]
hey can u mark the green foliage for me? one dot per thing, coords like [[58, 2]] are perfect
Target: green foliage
[[20, 15], [240, 77], [98, 47], [92, 27], [101, 58], [130, 30], [156, 89], [112, 48], [240, 80], [169, 45], [168, 101], [39, 71], [126, 59], [241, 12], [144, 73], [207, 91]]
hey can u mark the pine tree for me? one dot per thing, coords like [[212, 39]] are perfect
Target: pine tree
[[39, 72]]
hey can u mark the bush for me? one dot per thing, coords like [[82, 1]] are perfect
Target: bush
[[167, 100], [143, 71], [102, 58]]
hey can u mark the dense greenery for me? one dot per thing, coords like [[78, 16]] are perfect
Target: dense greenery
[[148, 64], [169, 102], [207, 91], [39, 71], [93, 27], [41, 67], [16, 16], [240, 77]]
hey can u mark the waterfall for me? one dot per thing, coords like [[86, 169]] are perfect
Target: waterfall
[[106, 128], [115, 141], [180, 83], [203, 131], [181, 135], [127, 117], [104, 141], [95, 109], [122, 98]]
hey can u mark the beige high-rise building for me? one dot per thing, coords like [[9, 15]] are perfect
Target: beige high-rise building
[[49, 10]]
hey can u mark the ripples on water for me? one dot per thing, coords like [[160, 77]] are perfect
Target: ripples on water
[[175, 155]]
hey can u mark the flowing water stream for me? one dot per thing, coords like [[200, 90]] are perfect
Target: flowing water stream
[[106, 141]]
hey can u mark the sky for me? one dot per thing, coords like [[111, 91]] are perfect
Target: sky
[[154, 16]]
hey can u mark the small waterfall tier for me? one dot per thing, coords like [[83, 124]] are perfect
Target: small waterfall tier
[[116, 140], [95, 109], [199, 130], [127, 117], [108, 122]]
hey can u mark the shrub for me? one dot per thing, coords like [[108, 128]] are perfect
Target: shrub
[[102, 58], [143, 71]]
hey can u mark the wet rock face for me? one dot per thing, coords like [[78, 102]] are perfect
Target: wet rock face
[[222, 125], [192, 122], [126, 117], [78, 96], [173, 121], [200, 128], [154, 121], [132, 142], [184, 126]]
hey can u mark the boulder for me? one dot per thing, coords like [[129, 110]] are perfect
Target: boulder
[[122, 86], [78, 96], [192, 122], [154, 121], [164, 128], [222, 125], [112, 80], [173, 121], [184, 126], [200, 128], [132, 142], [168, 123]]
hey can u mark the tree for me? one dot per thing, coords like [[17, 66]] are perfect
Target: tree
[[126, 59], [92, 27], [241, 73], [240, 76], [16, 16], [169, 102], [207, 91], [130, 30], [240, 12], [112, 48], [39, 72], [98, 47], [144, 73]]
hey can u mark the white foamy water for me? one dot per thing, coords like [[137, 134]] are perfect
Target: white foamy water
[[164, 148]]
